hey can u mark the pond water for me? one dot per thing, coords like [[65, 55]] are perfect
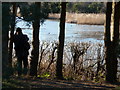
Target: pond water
[[49, 31]]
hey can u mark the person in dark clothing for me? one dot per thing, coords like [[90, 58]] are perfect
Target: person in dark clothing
[[21, 49]]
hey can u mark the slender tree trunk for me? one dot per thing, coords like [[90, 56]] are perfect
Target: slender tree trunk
[[59, 63], [5, 29], [12, 34], [98, 62], [108, 41], [52, 59], [35, 43]]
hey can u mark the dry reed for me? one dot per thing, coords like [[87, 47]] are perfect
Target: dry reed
[[82, 18]]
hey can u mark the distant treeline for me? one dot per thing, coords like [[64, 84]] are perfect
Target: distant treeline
[[54, 7], [78, 7]]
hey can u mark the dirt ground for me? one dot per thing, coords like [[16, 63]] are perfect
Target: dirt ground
[[35, 83]]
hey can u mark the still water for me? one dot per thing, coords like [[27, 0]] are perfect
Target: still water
[[49, 31]]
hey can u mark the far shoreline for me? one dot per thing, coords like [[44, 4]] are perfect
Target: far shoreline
[[82, 18]]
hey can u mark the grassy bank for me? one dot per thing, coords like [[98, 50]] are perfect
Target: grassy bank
[[91, 19]]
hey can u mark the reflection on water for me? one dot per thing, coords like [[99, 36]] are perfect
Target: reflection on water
[[49, 31]]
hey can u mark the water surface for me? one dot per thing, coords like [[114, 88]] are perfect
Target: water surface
[[49, 31]]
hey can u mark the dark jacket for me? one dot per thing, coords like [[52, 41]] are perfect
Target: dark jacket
[[21, 45]]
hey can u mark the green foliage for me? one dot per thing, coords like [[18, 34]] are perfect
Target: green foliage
[[74, 7], [44, 75], [28, 11], [6, 84], [25, 11], [86, 7], [45, 9], [95, 7], [6, 13], [54, 7], [117, 88]]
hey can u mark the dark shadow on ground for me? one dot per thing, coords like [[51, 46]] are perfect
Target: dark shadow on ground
[[35, 83]]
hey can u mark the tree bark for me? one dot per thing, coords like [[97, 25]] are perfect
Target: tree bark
[[115, 39], [5, 29], [12, 34], [59, 63], [107, 40], [111, 41], [35, 43]]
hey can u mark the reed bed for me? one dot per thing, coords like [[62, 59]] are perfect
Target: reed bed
[[82, 18]]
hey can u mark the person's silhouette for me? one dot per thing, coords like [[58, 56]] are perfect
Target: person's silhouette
[[21, 49]]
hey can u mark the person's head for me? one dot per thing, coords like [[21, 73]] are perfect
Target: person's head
[[18, 30]]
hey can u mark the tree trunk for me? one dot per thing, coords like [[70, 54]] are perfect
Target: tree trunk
[[35, 43], [115, 39], [12, 34], [107, 40], [5, 29], [112, 41], [59, 63]]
